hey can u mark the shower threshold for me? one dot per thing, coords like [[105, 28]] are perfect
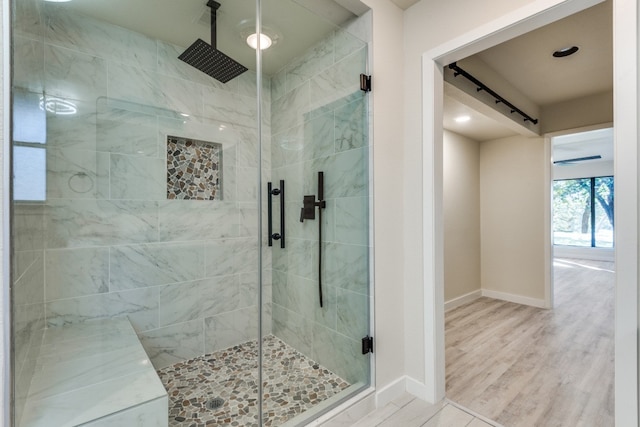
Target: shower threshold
[[293, 383]]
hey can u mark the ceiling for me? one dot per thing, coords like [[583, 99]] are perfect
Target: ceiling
[[526, 63], [584, 144], [297, 24], [405, 4]]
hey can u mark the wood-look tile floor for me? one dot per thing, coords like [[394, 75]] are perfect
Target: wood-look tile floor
[[408, 411], [524, 366]]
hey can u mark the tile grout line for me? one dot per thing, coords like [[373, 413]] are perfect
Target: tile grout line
[[473, 413]]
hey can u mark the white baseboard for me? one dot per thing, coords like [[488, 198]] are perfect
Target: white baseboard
[[596, 254], [391, 392], [417, 388], [518, 299], [461, 300]]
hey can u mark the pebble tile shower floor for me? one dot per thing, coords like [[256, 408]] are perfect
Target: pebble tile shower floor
[[293, 383]]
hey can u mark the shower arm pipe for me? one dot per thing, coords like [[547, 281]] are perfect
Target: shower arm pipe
[[481, 86], [214, 5]]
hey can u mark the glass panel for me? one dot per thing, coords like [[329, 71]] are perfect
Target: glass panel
[[572, 212], [319, 124], [149, 287], [604, 212]]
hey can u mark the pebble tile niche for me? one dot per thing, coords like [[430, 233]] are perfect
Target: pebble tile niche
[[293, 383], [194, 169]]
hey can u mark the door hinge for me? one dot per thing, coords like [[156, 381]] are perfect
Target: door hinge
[[365, 83], [367, 345]]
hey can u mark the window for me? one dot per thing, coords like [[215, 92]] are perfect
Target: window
[[583, 212], [29, 154]]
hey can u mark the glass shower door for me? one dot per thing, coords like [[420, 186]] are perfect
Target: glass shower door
[[316, 285]]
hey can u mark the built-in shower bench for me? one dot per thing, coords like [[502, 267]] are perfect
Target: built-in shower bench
[[95, 374]]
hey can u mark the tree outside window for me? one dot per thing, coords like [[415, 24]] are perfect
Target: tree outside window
[[583, 212]]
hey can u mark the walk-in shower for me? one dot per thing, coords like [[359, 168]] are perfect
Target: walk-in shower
[[143, 283]]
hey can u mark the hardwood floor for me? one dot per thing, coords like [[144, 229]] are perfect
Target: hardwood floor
[[524, 366]]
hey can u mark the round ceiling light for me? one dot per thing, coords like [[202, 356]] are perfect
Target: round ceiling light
[[265, 41], [462, 119], [565, 51]]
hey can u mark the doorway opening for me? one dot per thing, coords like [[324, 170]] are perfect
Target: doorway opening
[[432, 131]]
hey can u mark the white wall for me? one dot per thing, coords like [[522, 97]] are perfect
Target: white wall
[[461, 167], [389, 190], [512, 179], [576, 113]]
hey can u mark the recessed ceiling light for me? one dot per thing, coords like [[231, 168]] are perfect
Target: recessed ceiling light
[[57, 1], [565, 51], [462, 119], [265, 41]]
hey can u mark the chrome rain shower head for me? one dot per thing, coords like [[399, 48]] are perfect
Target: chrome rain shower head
[[208, 59]]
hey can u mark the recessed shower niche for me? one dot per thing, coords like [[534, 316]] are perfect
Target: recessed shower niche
[[194, 169]]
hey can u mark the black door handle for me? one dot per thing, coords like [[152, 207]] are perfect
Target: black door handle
[[275, 192]]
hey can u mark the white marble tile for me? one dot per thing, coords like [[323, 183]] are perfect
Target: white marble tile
[[127, 132], [76, 174], [248, 288], [352, 314], [176, 343], [76, 131], [318, 134], [360, 27], [29, 287], [28, 20], [85, 347], [137, 178], [288, 110], [62, 377], [294, 329], [169, 95], [231, 328], [184, 302], [76, 272], [139, 266], [303, 256], [231, 256], [69, 29], [229, 107], [352, 220], [73, 75], [346, 42], [140, 306], [182, 220], [338, 81], [351, 125], [347, 266], [28, 64], [85, 331], [247, 85], [278, 84], [76, 223], [312, 62], [28, 227], [340, 354], [345, 175], [152, 414]]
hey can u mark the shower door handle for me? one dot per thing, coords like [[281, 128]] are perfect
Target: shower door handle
[[275, 192]]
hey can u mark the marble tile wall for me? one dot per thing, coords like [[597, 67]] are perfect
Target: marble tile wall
[[320, 123], [110, 243]]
